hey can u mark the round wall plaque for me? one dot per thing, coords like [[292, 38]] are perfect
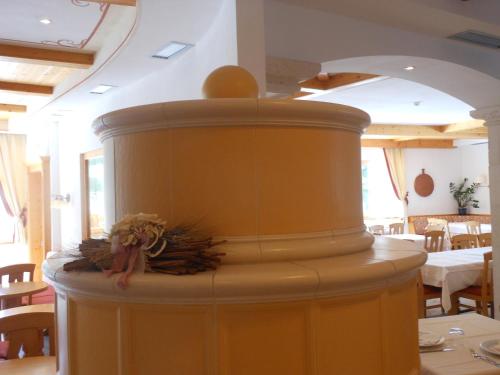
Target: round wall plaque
[[424, 184]]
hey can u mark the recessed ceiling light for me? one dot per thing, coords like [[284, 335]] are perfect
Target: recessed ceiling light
[[409, 67], [101, 89], [45, 21], [172, 49]]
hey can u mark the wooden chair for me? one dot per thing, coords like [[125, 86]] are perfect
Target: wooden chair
[[473, 227], [377, 229], [425, 293], [24, 327], [483, 295], [396, 228], [434, 241], [436, 224], [484, 239], [464, 241], [16, 274]]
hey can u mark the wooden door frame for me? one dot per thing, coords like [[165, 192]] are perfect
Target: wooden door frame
[[85, 209], [39, 213]]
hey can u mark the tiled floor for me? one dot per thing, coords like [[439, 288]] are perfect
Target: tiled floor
[[433, 313]]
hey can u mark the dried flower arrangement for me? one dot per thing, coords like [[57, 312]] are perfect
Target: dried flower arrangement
[[143, 243]]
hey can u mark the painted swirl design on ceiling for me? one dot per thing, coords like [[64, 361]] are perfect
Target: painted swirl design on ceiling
[[74, 22]]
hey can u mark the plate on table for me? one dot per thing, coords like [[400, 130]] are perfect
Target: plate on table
[[491, 346], [428, 339]]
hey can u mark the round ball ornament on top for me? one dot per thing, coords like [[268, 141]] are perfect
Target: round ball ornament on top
[[230, 81]]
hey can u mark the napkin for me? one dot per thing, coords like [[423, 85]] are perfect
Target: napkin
[[426, 338]]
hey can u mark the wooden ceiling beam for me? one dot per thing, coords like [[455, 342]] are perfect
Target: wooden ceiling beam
[[414, 143], [26, 88], [332, 80], [423, 131], [45, 56], [13, 108], [130, 3], [463, 126]]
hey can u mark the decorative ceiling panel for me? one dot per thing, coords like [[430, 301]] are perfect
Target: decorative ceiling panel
[[73, 22]]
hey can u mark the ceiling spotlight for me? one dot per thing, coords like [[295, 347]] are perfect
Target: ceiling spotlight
[[172, 49], [409, 67], [45, 21], [101, 89]]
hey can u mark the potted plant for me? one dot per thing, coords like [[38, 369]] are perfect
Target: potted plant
[[464, 195]]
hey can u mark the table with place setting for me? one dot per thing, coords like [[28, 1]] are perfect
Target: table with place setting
[[459, 345], [417, 239], [453, 271]]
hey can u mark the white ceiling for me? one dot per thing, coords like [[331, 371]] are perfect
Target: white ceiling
[[392, 100], [435, 17]]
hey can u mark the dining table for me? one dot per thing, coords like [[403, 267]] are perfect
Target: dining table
[[417, 239], [461, 228], [11, 292], [453, 270], [41, 365], [462, 336]]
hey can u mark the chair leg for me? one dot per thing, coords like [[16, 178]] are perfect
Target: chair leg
[[479, 309], [484, 308], [454, 305]]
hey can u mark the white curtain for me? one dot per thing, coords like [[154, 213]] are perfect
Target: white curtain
[[394, 158], [13, 179]]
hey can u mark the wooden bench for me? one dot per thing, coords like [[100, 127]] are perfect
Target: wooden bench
[[417, 224]]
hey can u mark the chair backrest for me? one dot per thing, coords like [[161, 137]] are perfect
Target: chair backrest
[[24, 327], [396, 228], [484, 239], [434, 224], [439, 224], [15, 272], [377, 229], [463, 241], [486, 277], [434, 240], [473, 227]]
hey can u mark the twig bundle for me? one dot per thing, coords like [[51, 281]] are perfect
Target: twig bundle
[[176, 251]]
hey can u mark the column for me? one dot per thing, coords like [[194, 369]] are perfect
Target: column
[[492, 117], [251, 39]]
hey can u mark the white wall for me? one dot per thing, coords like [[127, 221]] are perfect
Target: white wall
[[445, 166]]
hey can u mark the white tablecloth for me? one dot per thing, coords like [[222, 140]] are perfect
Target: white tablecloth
[[453, 270], [417, 239], [477, 328], [461, 228]]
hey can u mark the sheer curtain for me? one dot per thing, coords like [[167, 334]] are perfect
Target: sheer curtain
[[13, 179], [394, 158]]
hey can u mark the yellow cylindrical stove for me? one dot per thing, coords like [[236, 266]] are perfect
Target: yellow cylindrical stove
[[303, 288]]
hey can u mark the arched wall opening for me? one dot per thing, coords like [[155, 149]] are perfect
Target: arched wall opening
[[473, 87]]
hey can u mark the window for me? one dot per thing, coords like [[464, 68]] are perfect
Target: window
[[380, 204]]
